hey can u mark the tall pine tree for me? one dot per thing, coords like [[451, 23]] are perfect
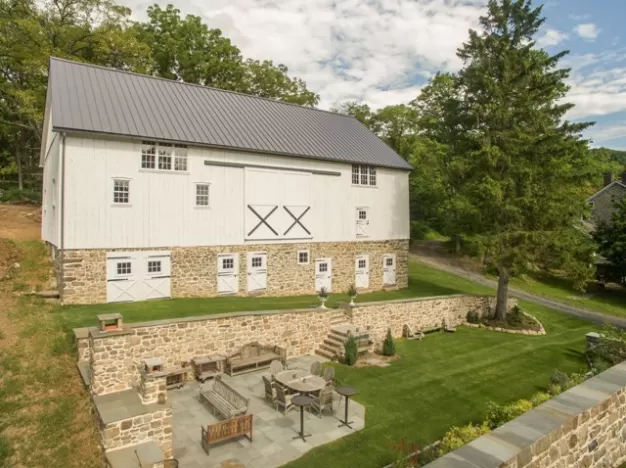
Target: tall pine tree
[[522, 163]]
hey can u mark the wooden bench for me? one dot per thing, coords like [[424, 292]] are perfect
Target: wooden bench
[[224, 400], [254, 356], [226, 430]]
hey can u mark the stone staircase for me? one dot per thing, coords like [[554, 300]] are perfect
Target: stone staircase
[[333, 345]]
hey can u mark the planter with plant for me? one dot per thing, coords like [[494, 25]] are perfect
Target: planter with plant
[[352, 292], [323, 296]]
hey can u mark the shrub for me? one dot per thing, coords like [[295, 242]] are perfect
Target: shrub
[[516, 316], [352, 292], [407, 455], [554, 389], [351, 350], [389, 347], [539, 398], [323, 293], [498, 415], [419, 230], [559, 378], [457, 437], [576, 378], [472, 316]]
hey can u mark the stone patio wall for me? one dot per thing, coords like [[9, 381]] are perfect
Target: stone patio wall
[[194, 269], [155, 426], [418, 313], [584, 427]]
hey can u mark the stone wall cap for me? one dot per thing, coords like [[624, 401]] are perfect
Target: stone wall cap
[[118, 406], [111, 316], [415, 299], [81, 333], [95, 332], [136, 456]]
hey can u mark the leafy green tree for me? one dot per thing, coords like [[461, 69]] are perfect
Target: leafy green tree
[[360, 111], [611, 239], [389, 347], [522, 187]]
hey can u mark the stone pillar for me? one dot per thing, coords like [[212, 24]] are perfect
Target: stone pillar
[[152, 388]]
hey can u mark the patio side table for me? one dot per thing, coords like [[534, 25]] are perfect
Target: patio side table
[[302, 401], [347, 392]]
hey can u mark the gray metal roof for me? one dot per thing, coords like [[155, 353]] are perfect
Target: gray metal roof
[[102, 100]]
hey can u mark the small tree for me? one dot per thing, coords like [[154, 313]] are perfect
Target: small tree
[[351, 350], [389, 347]]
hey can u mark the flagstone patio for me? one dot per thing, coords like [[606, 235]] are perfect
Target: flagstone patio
[[272, 443]]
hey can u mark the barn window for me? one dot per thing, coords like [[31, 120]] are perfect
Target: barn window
[[180, 157], [148, 154], [389, 262], [228, 263], [303, 257], [362, 263], [121, 190], [362, 214], [257, 262], [363, 175], [323, 267], [154, 266], [202, 194], [123, 268], [165, 157]]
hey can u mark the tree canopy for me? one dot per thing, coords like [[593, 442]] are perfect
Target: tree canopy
[[611, 239]]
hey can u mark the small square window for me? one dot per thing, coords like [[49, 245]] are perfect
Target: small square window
[[228, 263], [362, 214], [257, 262], [389, 262], [154, 266], [202, 194], [121, 190], [372, 175], [303, 257], [362, 263], [323, 267], [123, 268]]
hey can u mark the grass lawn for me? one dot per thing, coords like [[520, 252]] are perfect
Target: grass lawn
[[609, 301], [423, 281], [445, 380]]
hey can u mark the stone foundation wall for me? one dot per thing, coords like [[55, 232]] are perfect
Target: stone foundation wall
[[418, 313], [584, 427], [194, 269], [155, 426], [110, 362]]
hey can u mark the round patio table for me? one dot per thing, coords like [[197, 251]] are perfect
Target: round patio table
[[300, 381], [346, 392], [301, 401]]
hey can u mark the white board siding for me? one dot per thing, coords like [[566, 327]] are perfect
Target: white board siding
[[51, 196], [162, 211]]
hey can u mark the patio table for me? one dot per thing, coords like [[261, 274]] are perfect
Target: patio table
[[300, 381]]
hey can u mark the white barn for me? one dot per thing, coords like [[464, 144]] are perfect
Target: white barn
[[155, 188]]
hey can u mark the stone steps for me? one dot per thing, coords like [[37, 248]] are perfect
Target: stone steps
[[333, 345]]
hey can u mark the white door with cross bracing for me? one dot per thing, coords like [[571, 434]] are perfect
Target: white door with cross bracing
[[362, 272], [257, 271], [362, 222], [323, 274], [227, 274], [138, 276], [389, 269]]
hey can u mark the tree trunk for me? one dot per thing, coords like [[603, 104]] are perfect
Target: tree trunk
[[503, 294], [20, 178]]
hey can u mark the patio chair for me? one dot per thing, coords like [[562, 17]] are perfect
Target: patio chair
[[283, 400], [270, 391], [316, 368], [322, 400], [275, 367], [329, 375]]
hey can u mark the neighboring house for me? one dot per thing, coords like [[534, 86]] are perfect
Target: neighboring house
[[155, 188], [604, 201]]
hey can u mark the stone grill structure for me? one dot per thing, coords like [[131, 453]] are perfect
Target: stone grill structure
[[194, 269]]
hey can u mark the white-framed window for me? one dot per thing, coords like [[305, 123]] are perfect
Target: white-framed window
[[257, 262], [154, 266], [123, 268], [165, 156], [202, 194], [228, 263], [362, 214], [303, 257], [121, 191], [362, 263], [180, 157], [323, 267], [389, 261], [363, 175], [148, 154]]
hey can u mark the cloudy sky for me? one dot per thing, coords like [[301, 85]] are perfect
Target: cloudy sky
[[383, 51]]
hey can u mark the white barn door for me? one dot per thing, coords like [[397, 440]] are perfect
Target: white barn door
[[228, 274], [323, 274], [157, 275], [257, 271], [362, 222], [138, 276], [362, 271], [389, 269], [122, 277]]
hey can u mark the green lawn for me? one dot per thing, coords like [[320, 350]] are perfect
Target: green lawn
[[445, 380], [610, 301], [423, 281]]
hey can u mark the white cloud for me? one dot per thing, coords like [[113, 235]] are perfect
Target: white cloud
[[608, 132], [551, 37], [579, 17], [587, 31]]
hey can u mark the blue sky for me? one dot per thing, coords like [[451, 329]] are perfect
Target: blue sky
[[382, 52]]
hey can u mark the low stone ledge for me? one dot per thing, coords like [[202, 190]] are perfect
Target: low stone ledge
[[541, 331]]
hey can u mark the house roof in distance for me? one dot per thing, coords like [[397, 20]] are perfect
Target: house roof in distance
[[89, 98]]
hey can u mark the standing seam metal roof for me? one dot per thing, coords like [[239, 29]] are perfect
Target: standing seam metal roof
[[95, 99]]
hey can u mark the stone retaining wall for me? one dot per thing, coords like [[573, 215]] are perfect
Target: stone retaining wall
[[194, 269], [583, 427]]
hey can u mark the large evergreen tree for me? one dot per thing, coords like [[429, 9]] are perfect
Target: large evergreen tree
[[522, 162]]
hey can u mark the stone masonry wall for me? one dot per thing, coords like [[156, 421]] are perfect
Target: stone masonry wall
[[155, 426], [110, 363], [194, 269], [584, 427], [418, 313]]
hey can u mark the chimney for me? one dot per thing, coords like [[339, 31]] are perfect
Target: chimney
[[110, 322], [608, 178]]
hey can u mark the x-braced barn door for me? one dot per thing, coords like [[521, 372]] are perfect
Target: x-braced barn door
[[228, 274], [362, 271], [257, 271], [362, 222], [323, 274], [122, 285], [389, 269]]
